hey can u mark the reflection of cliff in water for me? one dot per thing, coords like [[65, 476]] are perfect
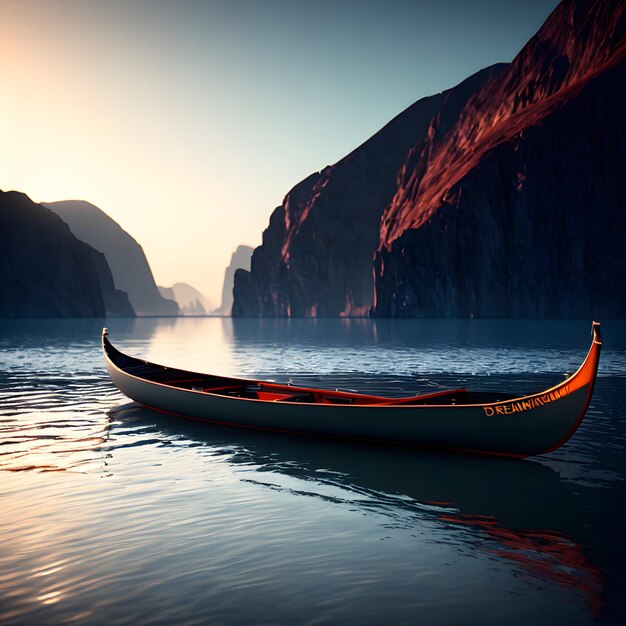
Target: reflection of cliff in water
[[519, 511], [437, 333], [299, 331]]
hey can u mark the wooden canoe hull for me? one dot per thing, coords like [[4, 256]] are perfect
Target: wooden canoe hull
[[520, 427]]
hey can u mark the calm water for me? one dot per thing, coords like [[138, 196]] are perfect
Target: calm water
[[113, 514]]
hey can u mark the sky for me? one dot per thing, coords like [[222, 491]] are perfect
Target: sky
[[187, 121]]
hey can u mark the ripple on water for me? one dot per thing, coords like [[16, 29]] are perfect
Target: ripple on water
[[116, 514]]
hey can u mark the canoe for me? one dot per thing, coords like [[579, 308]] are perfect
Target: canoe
[[458, 419]]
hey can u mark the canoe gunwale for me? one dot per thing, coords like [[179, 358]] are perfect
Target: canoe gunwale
[[516, 426], [594, 350]]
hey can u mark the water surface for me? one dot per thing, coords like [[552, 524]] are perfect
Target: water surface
[[115, 514]]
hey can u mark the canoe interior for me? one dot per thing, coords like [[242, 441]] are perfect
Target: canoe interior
[[275, 392]]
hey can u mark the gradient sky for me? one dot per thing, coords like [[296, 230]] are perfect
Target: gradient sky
[[188, 121]]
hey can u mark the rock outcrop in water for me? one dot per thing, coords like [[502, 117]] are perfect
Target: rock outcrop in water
[[125, 256], [45, 271], [499, 198]]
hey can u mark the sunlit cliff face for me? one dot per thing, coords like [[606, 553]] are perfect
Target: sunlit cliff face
[[569, 50]]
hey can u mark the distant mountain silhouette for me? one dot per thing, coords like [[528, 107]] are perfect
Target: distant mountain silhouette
[[501, 197], [189, 299], [240, 259], [125, 256], [45, 271]]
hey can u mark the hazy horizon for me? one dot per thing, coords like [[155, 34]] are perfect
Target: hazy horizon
[[188, 122]]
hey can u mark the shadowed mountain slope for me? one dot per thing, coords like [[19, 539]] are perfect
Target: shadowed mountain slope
[[45, 271], [125, 256]]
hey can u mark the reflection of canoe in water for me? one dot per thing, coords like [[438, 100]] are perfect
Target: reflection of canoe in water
[[520, 511], [515, 491], [495, 423]]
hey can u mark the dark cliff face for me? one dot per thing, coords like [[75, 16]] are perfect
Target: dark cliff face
[[45, 271], [316, 255], [517, 210], [116, 302], [124, 255], [499, 198]]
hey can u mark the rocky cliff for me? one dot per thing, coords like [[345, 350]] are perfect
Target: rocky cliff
[[124, 255], [497, 198], [240, 260], [316, 255], [517, 209], [45, 271]]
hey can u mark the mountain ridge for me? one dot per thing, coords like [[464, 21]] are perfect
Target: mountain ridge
[[512, 268], [129, 265], [464, 232], [46, 271], [316, 255], [523, 96]]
